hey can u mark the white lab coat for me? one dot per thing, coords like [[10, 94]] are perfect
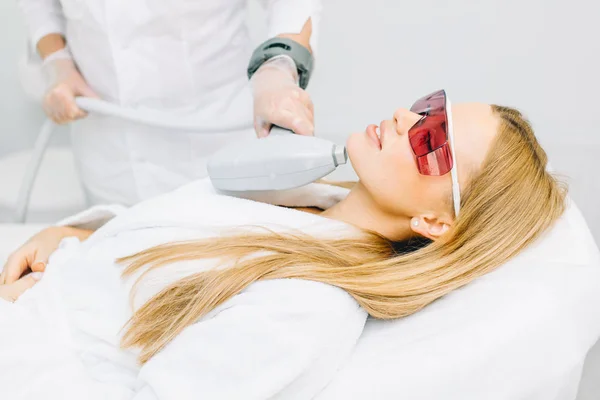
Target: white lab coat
[[279, 339], [179, 57]]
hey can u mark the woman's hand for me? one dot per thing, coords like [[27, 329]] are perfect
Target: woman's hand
[[13, 291], [64, 83], [278, 100], [35, 252]]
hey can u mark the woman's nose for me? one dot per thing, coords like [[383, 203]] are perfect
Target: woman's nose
[[404, 120]]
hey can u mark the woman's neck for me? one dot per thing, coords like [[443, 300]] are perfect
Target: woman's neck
[[310, 210], [359, 209]]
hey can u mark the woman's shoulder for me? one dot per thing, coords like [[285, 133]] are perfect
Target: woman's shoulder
[[320, 195], [198, 206]]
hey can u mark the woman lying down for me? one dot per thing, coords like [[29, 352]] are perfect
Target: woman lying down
[[198, 295]]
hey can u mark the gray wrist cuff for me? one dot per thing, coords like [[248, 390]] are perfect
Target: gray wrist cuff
[[283, 46]]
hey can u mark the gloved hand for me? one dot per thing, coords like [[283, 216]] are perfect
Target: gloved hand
[[63, 83], [279, 100]]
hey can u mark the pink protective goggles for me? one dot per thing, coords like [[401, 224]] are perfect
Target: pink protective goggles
[[429, 136], [431, 140]]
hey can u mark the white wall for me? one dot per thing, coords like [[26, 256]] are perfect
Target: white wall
[[542, 56], [20, 118]]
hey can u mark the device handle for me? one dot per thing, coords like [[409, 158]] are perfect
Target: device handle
[[277, 131]]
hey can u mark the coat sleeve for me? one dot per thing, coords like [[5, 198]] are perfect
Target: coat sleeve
[[42, 18], [282, 339], [289, 16]]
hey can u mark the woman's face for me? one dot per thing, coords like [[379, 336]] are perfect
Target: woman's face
[[386, 165]]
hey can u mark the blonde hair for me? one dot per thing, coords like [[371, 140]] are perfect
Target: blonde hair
[[506, 206]]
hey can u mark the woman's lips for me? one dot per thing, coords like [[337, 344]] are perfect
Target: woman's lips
[[372, 133]]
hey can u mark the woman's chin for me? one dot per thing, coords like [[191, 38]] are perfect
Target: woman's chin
[[359, 153], [353, 147], [357, 142]]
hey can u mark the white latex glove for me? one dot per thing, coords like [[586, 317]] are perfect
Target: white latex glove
[[278, 100], [63, 83]]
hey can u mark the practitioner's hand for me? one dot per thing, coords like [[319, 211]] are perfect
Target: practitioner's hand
[[13, 291], [64, 82], [278, 100], [34, 254]]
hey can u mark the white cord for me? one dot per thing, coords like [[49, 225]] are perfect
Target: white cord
[[102, 107], [155, 119], [39, 148]]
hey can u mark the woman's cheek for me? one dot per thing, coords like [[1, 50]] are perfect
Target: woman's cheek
[[401, 170]]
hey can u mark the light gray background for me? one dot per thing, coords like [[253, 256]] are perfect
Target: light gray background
[[541, 56]]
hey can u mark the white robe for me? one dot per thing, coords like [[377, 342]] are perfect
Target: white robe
[[279, 339]]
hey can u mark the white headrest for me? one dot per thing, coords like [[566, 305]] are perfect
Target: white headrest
[[514, 333]]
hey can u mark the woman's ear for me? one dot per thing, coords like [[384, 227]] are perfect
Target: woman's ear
[[431, 227]]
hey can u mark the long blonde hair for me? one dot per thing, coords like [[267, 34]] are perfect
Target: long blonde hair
[[506, 206]]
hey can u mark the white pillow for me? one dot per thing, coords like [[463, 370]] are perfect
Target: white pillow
[[521, 332]]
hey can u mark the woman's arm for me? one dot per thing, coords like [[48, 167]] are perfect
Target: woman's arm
[[303, 37], [44, 20], [295, 19], [50, 44], [277, 339]]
